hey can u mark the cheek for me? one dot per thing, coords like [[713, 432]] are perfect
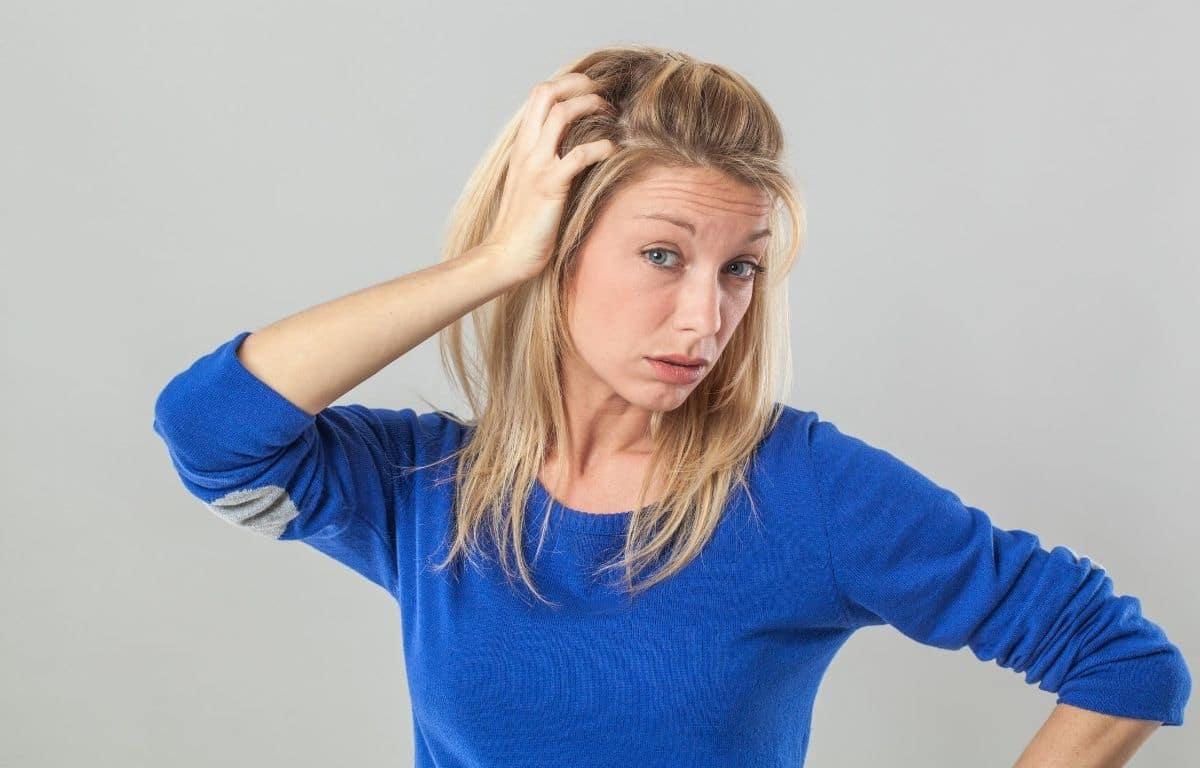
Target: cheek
[[739, 304], [733, 310], [612, 294], [614, 322], [611, 325]]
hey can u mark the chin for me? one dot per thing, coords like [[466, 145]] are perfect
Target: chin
[[667, 398]]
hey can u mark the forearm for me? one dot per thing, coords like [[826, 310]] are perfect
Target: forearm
[[314, 357], [1081, 738]]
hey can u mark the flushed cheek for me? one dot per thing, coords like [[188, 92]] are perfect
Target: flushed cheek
[[609, 337]]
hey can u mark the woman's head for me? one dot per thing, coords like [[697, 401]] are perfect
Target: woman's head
[[668, 267], [695, 136], [696, 143]]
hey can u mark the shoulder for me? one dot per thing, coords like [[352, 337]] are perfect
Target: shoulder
[[801, 432], [804, 447], [792, 432], [783, 460]]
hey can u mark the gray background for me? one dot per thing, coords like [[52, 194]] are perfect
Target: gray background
[[999, 287]]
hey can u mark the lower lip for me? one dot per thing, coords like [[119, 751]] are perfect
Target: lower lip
[[676, 374]]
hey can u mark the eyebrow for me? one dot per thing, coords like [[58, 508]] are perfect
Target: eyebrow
[[692, 228]]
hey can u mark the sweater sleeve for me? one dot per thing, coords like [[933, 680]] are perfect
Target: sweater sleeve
[[263, 463], [907, 552]]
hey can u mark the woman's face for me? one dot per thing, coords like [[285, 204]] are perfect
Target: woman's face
[[645, 287]]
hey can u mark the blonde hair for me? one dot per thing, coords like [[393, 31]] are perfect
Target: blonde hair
[[671, 110]]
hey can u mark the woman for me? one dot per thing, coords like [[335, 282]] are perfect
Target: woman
[[630, 213]]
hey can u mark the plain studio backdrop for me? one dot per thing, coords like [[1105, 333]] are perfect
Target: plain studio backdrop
[[999, 286]]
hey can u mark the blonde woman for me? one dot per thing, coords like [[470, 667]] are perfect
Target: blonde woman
[[634, 553]]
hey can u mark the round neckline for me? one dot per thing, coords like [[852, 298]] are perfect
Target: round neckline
[[589, 522]]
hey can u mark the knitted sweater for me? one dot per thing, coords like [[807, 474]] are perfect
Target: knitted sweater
[[716, 666]]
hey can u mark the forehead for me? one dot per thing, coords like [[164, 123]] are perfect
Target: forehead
[[702, 191]]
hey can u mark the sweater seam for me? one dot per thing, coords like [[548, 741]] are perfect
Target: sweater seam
[[394, 500], [382, 540], [356, 515], [823, 503]]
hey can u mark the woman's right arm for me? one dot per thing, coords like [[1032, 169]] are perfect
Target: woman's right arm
[[315, 356], [251, 432], [250, 428]]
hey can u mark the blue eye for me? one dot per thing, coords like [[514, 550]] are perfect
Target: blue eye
[[657, 250], [752, 270], [748, 276]]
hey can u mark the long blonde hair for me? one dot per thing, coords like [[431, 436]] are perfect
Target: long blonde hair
[[672, 110]]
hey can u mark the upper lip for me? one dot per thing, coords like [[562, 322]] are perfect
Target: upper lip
[[681, 360]]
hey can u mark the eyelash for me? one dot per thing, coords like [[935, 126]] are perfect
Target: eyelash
[[757, 269]]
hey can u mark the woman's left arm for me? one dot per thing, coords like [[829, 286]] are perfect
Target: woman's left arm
[[908, 552], [1081, 738]]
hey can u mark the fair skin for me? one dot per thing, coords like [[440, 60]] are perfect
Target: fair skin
[[1080, 738], [645, 288]]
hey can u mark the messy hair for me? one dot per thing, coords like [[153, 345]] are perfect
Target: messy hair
[[671, 110]]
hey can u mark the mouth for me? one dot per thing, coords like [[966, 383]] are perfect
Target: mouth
[[675, 373], [678, 365]]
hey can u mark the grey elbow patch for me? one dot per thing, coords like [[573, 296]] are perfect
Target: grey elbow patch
[[266, 510]]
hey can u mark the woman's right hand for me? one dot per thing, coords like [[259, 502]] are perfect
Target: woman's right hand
[[536, 185]]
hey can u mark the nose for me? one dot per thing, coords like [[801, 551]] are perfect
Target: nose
[[698, 305]]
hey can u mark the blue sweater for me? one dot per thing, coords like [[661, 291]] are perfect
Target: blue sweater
[[717, 666]]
